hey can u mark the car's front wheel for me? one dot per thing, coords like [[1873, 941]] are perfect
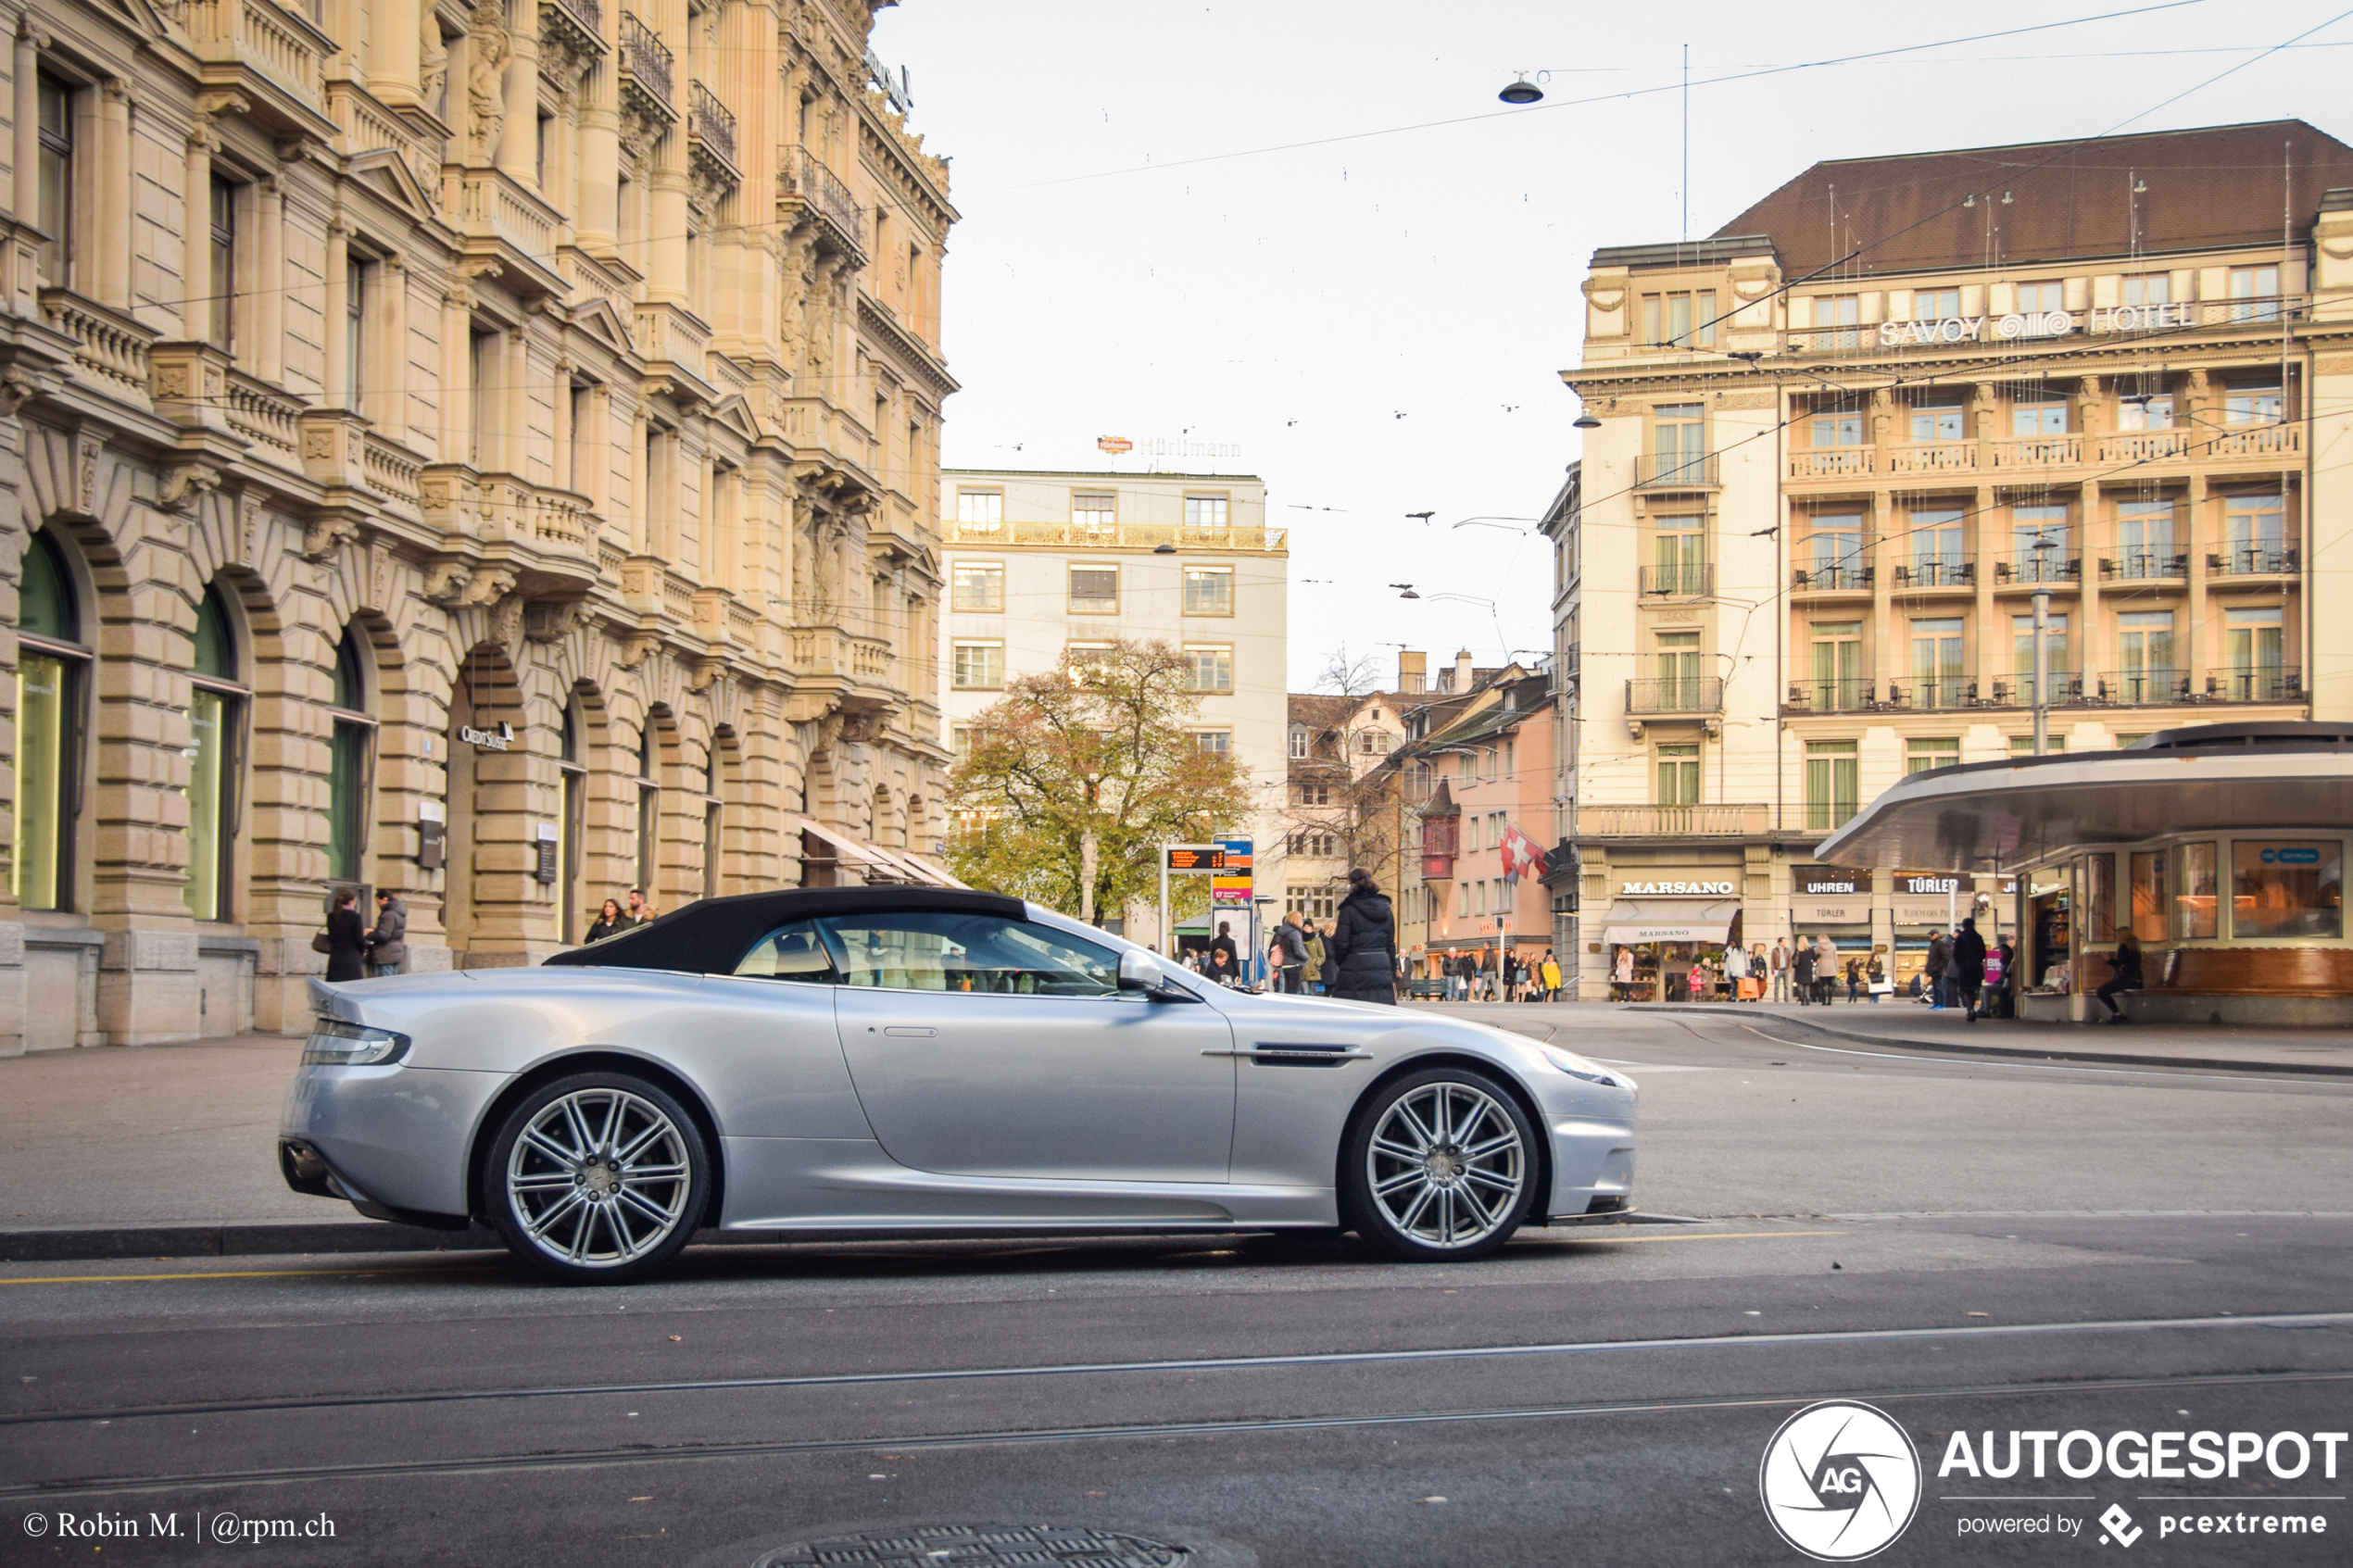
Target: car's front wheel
[[1440, 1166], [597, 1179]]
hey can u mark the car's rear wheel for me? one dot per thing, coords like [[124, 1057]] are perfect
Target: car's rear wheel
[[1440, 1166], [597, 1179]]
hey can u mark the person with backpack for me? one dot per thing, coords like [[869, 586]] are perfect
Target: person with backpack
[[1364, 943]]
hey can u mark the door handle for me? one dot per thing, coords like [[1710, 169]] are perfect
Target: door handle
[[909, 1032]]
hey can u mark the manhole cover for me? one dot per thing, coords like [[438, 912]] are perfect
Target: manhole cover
[[954, 1546]]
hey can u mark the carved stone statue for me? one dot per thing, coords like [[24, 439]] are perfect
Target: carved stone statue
[[485, 87], [432, 59]]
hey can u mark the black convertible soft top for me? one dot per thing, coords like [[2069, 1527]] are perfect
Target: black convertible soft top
[[711, 935]]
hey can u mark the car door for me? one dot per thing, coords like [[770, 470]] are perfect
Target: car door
[[985, 1045]]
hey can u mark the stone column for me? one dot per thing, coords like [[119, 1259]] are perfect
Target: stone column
[[518, 151], [113, 228], [25, 198], [456, 374], [267, 360], [560, 472], [1993, 630], [195, 280], [387, 400], [514, 455], [665, 246], [338, 270], [395, 64]]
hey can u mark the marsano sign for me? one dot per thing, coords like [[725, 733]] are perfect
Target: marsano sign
[[1686, 889]]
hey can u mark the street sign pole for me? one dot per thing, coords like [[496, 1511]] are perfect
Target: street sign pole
[[1163, 900]]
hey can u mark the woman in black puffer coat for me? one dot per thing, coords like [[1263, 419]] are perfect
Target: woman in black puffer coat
[[1362, 944]]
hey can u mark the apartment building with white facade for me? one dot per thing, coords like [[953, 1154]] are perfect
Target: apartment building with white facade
[[1042, 563]]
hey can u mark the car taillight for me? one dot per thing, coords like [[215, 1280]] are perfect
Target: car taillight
[[334, 1043]]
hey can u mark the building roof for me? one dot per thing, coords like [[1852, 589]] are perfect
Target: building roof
[[2208, 189]]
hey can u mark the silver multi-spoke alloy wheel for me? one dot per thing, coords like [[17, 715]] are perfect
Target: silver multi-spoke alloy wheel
[[599, 1178], [1446, 1166]]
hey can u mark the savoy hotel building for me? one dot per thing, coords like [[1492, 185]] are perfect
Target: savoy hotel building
[[486, 451], [1842, 451]]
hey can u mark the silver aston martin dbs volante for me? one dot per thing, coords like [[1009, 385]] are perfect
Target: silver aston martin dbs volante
[[870, 1061]]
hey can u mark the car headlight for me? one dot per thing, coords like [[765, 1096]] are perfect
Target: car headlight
[[1578, 1067], [334, 1043]]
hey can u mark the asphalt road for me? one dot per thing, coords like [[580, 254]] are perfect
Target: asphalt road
[[1969, 1248]]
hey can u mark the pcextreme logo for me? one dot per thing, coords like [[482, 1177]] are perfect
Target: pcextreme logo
[[1840, 1481]]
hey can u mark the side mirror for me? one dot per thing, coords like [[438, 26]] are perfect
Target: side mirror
[[1140, 972]]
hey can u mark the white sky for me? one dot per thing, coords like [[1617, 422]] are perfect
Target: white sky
[[1298, 303]]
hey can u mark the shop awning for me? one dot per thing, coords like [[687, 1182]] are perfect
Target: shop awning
[[1633, 921], [940, 875], [874, 865], [1994, 816]]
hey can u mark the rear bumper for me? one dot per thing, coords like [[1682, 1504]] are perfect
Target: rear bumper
[[393, 1141]]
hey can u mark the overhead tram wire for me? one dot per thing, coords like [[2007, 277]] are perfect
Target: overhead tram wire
[[1598, 98]]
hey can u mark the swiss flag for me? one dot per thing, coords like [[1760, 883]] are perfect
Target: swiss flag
[[1520, 854]]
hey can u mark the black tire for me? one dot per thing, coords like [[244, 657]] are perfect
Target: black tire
[[1470, 1183], [639, 1176]]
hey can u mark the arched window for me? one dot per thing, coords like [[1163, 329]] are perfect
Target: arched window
[[216, 726], [53, 681], [351, 770]]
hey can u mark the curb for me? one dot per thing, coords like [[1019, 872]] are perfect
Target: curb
[[53, 1242], [2109, 1058]]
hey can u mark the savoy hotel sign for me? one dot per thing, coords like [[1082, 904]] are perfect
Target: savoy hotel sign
[[2034, 324]]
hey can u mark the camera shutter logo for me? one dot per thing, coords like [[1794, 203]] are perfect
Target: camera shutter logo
[[1840, 1481]]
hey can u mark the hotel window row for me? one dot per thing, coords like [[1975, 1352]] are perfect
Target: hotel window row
[[979, 664], [979, 587]]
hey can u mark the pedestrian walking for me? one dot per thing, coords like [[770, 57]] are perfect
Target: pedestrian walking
[[1967, 971], [1622, 977], [2124, 974], [1364, 941], [2004, 987], [1875, 978], [1779, 962], [1801, 971], [610, 921], [1697, 980], [347, 939], [1552, 977], [1940, 958], [388, 940], [1736, 969], [1825, 969], [1854, 981]]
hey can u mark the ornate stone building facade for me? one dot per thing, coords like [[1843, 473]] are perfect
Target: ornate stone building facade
[[486, 453]]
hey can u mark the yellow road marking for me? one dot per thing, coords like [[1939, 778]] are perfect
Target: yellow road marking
[[1705, 1235]]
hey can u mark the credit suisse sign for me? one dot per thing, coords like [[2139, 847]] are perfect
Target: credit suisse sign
[[2033, 324]]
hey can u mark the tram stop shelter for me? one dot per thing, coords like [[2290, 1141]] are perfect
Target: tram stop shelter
[[2222, 847]]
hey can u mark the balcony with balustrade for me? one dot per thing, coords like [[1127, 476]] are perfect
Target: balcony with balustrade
[[1849, 694], [271, 58], [1672, 470], [2151, 685], [1930, 694], [710, 135], [1716, 820], [1672, 697], [648, 71], [1834, 577], [2031, 568], [2253, 560], [825, 201], [2145, 566], [1956, 574], [1689, 579]]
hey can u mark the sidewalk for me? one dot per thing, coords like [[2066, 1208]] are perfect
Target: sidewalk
[[137, 1150], [1909, 1025]]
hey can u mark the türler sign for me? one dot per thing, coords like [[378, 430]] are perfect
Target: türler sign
[[1676, 889], [2034, 324]]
